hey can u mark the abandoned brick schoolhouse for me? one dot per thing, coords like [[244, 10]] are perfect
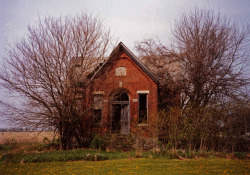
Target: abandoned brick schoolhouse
[[122, 93]]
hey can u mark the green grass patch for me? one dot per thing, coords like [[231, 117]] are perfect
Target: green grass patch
[[62, 156], [77, 155], [30, 156], [6, 148], [74, 155], [134, 166]]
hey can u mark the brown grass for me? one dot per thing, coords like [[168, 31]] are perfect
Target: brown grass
[[25, 137]]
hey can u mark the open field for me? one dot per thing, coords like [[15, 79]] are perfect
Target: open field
[[132, 166], [24, 137], [39, 158]]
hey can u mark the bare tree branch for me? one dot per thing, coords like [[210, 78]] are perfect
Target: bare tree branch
[[49, 67]]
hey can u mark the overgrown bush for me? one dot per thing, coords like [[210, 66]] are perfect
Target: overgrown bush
[[242, 145], [240, 155], [189, 154], [96, 157], [8, 147], [99, 142], [5, 148], [181, 153]]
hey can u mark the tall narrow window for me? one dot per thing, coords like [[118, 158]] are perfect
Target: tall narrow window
[[97, 106], [143, 108], [78, 104]]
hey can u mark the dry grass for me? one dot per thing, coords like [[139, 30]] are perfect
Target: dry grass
[[25, 137]]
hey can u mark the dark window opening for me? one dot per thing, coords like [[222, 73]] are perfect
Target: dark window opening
[[97, 106], [97, 116], [143, 111]]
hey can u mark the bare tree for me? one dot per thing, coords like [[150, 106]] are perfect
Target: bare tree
[[49, 69], [211, 53], [160, 61]]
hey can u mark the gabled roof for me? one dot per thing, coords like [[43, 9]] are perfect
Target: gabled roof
[[122, 47]]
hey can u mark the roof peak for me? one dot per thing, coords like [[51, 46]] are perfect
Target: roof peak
[[133, 57], [138, 62]]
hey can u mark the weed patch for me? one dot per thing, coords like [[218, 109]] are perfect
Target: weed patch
[[240, 155]]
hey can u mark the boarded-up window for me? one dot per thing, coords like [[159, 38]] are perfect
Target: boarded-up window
[[97, 106], [120, 71], [78, 104], [97, 102], [143, 108]]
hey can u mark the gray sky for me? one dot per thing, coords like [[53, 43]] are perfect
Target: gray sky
[[129, 21]]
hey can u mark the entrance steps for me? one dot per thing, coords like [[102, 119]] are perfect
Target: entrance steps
[[124, 142], [131, 142]]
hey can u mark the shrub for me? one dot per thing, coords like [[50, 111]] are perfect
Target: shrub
[[138, 154], [95, 157], [169, 145], [240, 155], [169, 154], [46, 140], [181, 153], [173, 154], [189, 154], [99, 142], [5, 148]]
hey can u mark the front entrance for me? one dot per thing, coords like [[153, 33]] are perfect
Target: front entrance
[[120, 120]]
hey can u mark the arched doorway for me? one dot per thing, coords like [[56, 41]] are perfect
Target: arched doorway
[[120, 120]]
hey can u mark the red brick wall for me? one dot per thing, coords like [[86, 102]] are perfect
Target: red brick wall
[[135, 80]]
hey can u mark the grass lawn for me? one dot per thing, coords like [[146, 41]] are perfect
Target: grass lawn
[[132, 166]]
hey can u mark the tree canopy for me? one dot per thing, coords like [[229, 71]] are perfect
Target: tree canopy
[[206, 64], [48, 68]]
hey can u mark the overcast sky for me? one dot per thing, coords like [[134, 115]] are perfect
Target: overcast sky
[[129, 20]]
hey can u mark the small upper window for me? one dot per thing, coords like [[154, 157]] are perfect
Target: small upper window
[[120, 71], [97, 102]]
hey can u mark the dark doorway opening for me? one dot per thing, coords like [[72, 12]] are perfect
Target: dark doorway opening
[[120, 121]]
